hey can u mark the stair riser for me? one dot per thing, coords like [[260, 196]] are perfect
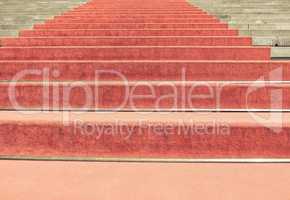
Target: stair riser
[[147, 95], [111, 140], [169, 41], [135, 53], [106, 32]]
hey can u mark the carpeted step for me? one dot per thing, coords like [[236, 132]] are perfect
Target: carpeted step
[[134, 5], [145, 135], [135, 11], [123, 8], [132, 20], [131, 13], [135, 53], [131, 26], [113, 6], [152, 7], [144, 16], [128, 41], [144, 95], [128, 32], [143, 70]]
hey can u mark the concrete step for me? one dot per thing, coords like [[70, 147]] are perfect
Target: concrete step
[[38, 9], [243, 6], [8, 33], [21, 12], [256, 21], [255, 16], [239, 2], [242, 2], [25, 17], [281, 52], [41, 7], [269, 41], [21, 21], [276, 26], [256, 33], [239, 11], [243, 10], [28, 16], [15, 26]]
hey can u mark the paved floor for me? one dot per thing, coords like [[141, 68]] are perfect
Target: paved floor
[[31, 180]]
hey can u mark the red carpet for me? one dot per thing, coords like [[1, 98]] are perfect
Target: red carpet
[[130, 32], [129, 41], [145, 70], [130, 25], [134, 57], [116, 95], [134, 53]]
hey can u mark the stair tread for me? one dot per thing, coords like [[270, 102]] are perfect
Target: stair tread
[[233, 118]]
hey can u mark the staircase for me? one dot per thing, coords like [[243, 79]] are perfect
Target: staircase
[[146, 80]]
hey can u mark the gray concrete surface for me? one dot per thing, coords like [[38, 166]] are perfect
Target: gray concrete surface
[[16, 15], [268, 22]]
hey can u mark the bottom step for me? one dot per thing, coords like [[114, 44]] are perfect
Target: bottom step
[[145, 135]]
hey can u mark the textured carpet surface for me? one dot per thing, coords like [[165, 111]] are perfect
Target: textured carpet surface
[[125, 79]]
